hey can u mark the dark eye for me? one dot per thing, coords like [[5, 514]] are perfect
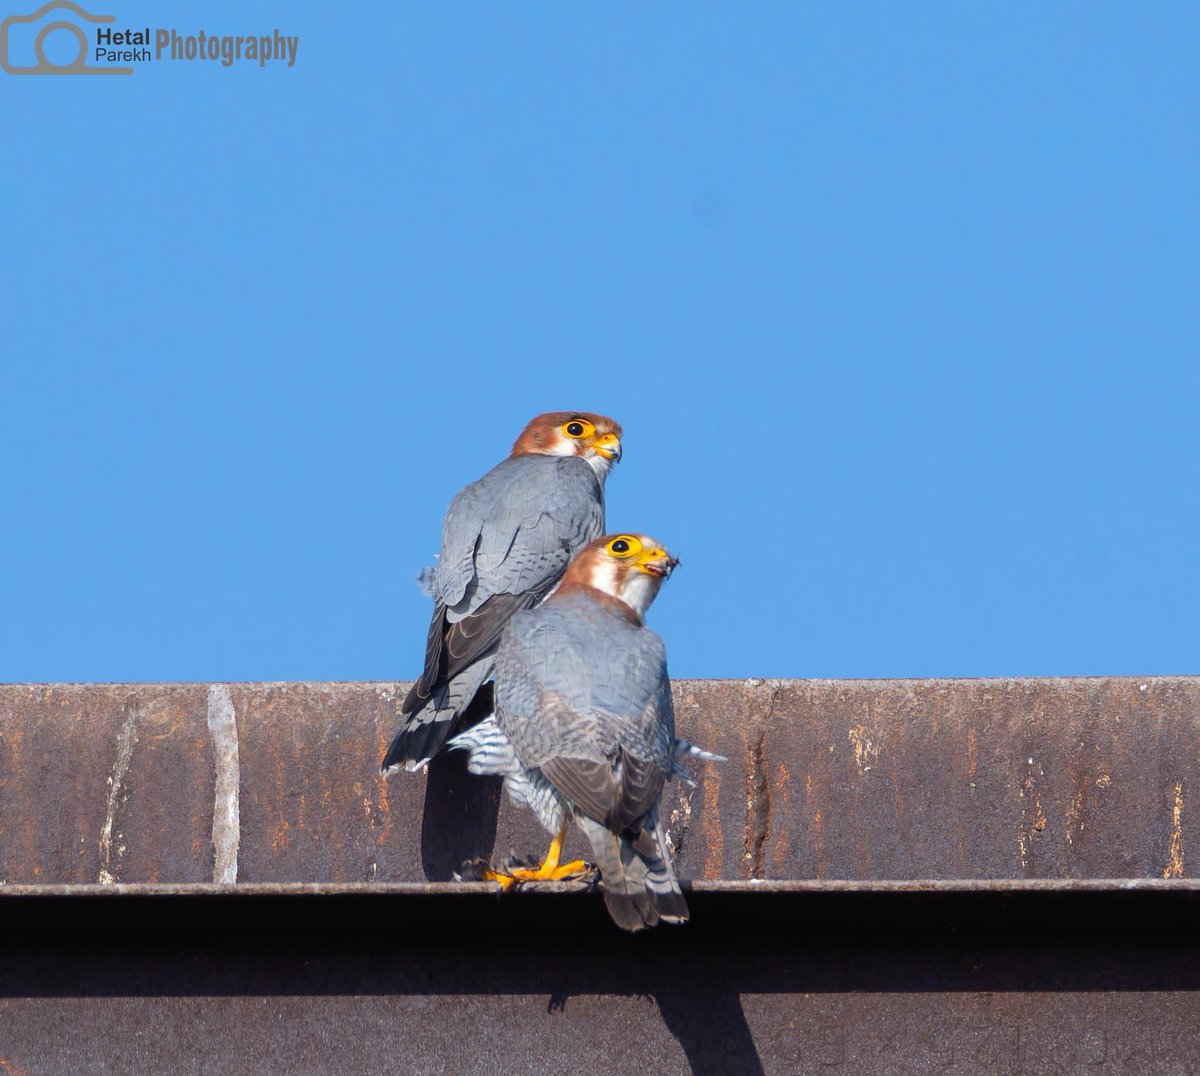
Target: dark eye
[[575, 429], [625, 545]]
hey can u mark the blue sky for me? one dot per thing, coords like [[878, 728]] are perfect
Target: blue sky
[[899, 312]]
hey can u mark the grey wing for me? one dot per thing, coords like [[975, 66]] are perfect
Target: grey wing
[[617, 792], [514, 529], [506, 541], [589, 704]]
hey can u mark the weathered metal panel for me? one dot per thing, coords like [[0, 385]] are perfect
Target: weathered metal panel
[[960, 876], [790, 978], [825, 779], [966, 779], [105, 782]]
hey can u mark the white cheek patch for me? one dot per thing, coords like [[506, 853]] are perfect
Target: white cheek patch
[[561, 447], [604, 577]]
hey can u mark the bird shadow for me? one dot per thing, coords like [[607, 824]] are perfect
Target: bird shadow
[[711, 1029], [458, 824]]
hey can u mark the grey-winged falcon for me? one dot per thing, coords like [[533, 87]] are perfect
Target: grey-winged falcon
[[584, 728], [506, 541]]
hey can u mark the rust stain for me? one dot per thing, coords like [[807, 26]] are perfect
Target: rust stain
[[972, 755], [384, 808], [281, 836], [1174, 867], [382, 740], [819, 846], [821, 862], [784, 842], [302, 813], [710, 822], [1103, 781]]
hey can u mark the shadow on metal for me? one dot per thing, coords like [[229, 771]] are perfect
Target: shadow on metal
[[511, 974], [461, 811], [458, 823]]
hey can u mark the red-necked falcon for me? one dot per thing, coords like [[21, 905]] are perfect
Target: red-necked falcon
[[506, 541], [584, 728]]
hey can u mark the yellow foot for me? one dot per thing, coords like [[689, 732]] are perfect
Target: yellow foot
[[504, 881], [544, 873], [547, 873]]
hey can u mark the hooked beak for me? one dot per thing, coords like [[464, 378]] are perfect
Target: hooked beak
[[658, 563], [609, 446]]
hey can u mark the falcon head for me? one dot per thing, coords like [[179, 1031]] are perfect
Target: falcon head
[[628, 568], [573, 433]]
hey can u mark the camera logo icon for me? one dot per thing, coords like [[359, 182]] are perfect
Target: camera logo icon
[[11, 29]]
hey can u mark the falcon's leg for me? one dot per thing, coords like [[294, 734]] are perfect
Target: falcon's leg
[[549, 871]]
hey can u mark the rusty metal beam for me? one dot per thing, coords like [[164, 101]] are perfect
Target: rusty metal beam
[[1082, 778], [886, 876], [1057, 977]]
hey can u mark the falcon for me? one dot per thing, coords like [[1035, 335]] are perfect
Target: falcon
[[506, 541], [584, 729]]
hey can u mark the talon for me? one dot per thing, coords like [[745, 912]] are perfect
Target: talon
[[549, 871], [504, 881]]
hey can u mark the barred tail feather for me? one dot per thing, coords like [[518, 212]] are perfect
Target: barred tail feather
[[625, 894], [491, 752], [684, 749], [651, 846], [639, 885]]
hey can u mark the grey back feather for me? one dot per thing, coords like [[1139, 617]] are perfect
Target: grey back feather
[[515, 530], [584, 696], [506, 541]]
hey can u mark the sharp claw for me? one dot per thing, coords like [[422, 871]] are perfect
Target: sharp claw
[[504, 881], [518, 875]]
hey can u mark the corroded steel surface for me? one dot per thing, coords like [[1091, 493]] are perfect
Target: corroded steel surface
[[1088, 778], [841, 977], [893, 876]]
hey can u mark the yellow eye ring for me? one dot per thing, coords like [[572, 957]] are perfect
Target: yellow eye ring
[[578, 427], [624, 545]]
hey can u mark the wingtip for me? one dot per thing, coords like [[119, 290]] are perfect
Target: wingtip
[[391, 766], [427, 581]]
